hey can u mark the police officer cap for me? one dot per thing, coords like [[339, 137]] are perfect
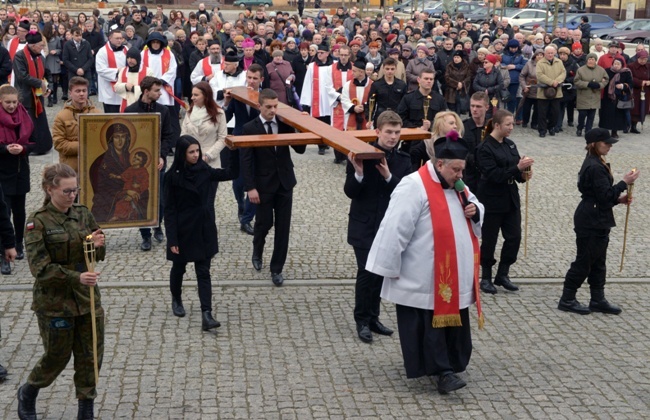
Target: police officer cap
[[360, 64], [451, 147], [599, 134]]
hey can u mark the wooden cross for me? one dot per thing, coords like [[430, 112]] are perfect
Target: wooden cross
[[313, 131]]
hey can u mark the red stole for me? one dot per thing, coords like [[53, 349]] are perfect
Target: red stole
[[207, 67], [315, 99], [338, 114], [166, 57], [37, 72], [141, 75], [110, 55], [446, 312], [13, 47], [354, 118]]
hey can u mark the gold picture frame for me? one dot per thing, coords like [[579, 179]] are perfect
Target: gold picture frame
[[118, 168]]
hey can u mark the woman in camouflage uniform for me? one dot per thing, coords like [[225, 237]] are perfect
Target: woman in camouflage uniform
[[54, 236]]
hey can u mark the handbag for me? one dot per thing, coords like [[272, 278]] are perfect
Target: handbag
[[550, 92], [625, 104], [504, 94], [462, 102]]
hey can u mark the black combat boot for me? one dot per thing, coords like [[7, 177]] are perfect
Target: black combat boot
[[502, 279], [177, 306], [27, 402], [86, 410], [53, 94], [208, 322], [486, 281], [598, 303], [50, 102], [569, 303], [634, 130]]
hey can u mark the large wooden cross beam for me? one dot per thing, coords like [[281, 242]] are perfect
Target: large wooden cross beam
[[313, 131]]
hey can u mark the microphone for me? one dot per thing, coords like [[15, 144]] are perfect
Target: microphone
[[459, 186]]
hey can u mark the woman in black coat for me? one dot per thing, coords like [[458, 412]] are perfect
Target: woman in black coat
[[620, 87], [592, 222], [190, 222], [17, 141], [501, 169], [489, 79]]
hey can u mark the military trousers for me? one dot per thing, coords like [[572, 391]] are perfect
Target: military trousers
[[63, 337]]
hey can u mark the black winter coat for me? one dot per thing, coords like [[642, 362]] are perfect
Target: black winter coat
[[611, 117], [5, 66], [74, 60], [497, 162], [14, 169], [599, 196], [371, 196], [492, 82], [7, 238], [571, 68], [190, 220]]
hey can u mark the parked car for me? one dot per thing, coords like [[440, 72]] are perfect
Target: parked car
[[551, 7], [244, 3], [619, 26], [524, 16], [480, 15], [634, 36], [597, 21]]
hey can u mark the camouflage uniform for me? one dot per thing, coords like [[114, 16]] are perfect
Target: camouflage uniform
[[54, 245]]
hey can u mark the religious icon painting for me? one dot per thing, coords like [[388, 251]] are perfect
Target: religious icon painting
[[118, 168]]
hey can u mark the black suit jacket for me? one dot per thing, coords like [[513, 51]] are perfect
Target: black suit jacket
[[371, 196], [242, 116], [265, 168], [497, 162]]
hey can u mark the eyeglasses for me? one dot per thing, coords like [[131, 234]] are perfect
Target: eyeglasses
[[71, 191]]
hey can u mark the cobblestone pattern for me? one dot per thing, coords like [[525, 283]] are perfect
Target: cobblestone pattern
[[292, 353]]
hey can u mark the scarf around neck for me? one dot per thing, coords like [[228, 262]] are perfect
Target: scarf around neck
[[16, 127]]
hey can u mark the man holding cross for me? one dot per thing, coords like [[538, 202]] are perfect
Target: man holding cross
[[269, 180]]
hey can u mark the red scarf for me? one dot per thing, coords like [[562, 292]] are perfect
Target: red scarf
[[123, 79], [446, 297], [20, 120], [338, 114], [352, 118], [36, 73], [315, 100]]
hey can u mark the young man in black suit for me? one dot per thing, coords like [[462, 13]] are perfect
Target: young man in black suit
[[369, 184], [269, 180]]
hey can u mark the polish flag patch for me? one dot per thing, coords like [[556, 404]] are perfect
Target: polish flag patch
[[30, 225]]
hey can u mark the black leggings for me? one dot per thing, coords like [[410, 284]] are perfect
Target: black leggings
[[16, 207]]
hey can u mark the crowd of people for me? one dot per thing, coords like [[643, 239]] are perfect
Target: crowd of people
[[349, 71]]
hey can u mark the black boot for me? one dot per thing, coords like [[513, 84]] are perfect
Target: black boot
[[502, 279], [86, 410], [177, 307], [486, 281], [27, 402], [50, 102], [209, 322], [634, 129], [569, 303], [598, 303], [53, 94]]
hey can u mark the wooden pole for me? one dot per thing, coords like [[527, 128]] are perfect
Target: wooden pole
[[89, 254], [630, 188], [526, 215]]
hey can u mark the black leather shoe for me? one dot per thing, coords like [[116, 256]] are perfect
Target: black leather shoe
[[321, 151], [257, 262], [524, 125], [27, 402], [542, 135], [379, 328], [277, 279], [207, 322], [5, 266], [634, 130], [364, 333], [158, 235], [86, 410], [488, 287], [604, 307], [504, 281], [3, 373], [579, 133], [246, 227], [573, 306], [20, 254], [146, 244], [570, 124], [449, 383], [551, 133], [177, 307]]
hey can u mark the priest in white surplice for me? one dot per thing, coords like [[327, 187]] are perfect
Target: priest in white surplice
[[108, 60], [427, 250], [354, 97]]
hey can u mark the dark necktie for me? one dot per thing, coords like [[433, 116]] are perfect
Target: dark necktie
[[269, 130]]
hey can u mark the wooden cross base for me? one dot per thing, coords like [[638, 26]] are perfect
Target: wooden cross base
[[313, 131]]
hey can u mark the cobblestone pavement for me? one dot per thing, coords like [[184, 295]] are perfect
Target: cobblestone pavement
[[293, 353]]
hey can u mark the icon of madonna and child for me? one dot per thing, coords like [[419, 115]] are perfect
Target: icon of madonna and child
[[121, 178]]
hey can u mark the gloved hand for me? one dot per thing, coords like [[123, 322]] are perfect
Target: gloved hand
[[593, 85]]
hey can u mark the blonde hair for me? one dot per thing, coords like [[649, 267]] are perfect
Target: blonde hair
[[436, 129], [52, 176]]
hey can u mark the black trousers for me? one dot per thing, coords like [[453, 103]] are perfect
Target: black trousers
[[590, 262], [367, 299], [146, 232], [176, 125], [110, 109], [326, 120], [569, 107], [16, 207], [432, 351], [529, 103], [589, 115], [510, 226], [203, 280], [274, 209], [548, 111]]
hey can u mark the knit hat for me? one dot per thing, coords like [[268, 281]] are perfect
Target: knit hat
[[307, 35], [423, 48], [576, 46], [459, 53], [513, 43], [483, 51], [126, 28], [407, 47], [277, 53], [341, 39], [492, 58], [401, 38], [539, 36], [564, 50], [171, 37], [355, 42], [291, 39], [642, 54], [391, 37], [396, 51], [592, 55], [466, 39]]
